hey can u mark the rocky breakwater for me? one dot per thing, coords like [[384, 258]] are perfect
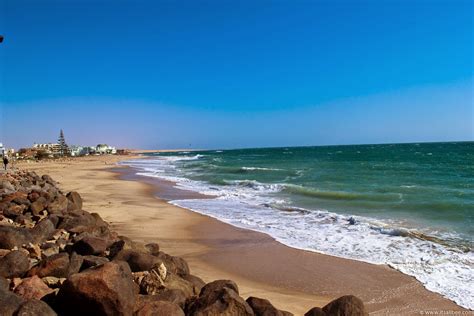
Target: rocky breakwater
[[57, 259]]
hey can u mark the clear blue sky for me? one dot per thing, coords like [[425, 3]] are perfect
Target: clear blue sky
[[222, 74]]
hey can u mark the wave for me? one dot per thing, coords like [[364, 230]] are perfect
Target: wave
[[340, 195], [260, 169]]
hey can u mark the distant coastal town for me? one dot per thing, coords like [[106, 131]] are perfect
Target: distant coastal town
[[59, 149]]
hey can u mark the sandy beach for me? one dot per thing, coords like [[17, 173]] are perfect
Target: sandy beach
[[292, 279]]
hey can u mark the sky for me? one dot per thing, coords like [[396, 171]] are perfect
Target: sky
[[234, 74]]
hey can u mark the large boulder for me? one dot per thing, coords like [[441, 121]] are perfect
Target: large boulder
[[59, 205], [75, 201], [175, 265], [263, 307], [42, 231], [9, 303], [197, 282], [14, 264], [218, 285], [92, 261], [38, 205], [35, 308], [90, 245], [174, 281], [32, 288], [160, 308], [56, 265], [224, 301], [347, 305], [11, 237], [138, 261], [104, 290], [315, 311]]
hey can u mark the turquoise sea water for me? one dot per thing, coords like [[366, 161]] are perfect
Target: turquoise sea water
[[407, 205]]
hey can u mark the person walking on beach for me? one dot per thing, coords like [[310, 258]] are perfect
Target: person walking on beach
[[5, 161]]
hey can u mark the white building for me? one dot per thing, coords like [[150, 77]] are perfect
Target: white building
[[2, 149], [103, 149]]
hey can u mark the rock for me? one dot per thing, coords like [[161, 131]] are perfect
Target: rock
[[38, 206], [138, 261], [174, 281], [56, 265], [315, 311], [175, 296], [197, 282], [90, 245], [48, 179], [81, 221], [42, 231], [35, 308], [116, 247], [175, 265], [263, 307], [153, 249], [10, 303], [104, 290], [223, 301], [75, 263], [14, 210], [34, 250], [7, 186], [160, 308], [4, 284], [92, 261], [32, 288], [347, 305], [33, 196], [11, 237], [75, 201], [58, 206], [218, 285], [14, 264]]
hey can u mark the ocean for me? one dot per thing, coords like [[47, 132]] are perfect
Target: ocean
[[410, 206]]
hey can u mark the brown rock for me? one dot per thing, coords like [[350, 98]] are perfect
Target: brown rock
[[92, 261], [174, 281], [218, 285], [38, 206], [347, 305], [90, 245], [14, 264], [75, 201], [197, 282], [315, 311], [263, 307], [9, 303], [11, 237], [59, 205], [32, 288], [56, 265], [35, 308], [224, 301], [14, 210], [153, 249], [175, 265], [138, 261], [75, 263], [104, 290], [42, 231], [160, 308]]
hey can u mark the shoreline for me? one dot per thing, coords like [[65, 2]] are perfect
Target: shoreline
[[293, 279]]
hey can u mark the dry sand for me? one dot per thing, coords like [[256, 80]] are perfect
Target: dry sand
[[291, 279]]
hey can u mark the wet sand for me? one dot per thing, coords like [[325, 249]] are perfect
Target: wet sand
[[294, 280]]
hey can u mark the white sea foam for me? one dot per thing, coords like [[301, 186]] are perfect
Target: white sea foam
[[253, 205]]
